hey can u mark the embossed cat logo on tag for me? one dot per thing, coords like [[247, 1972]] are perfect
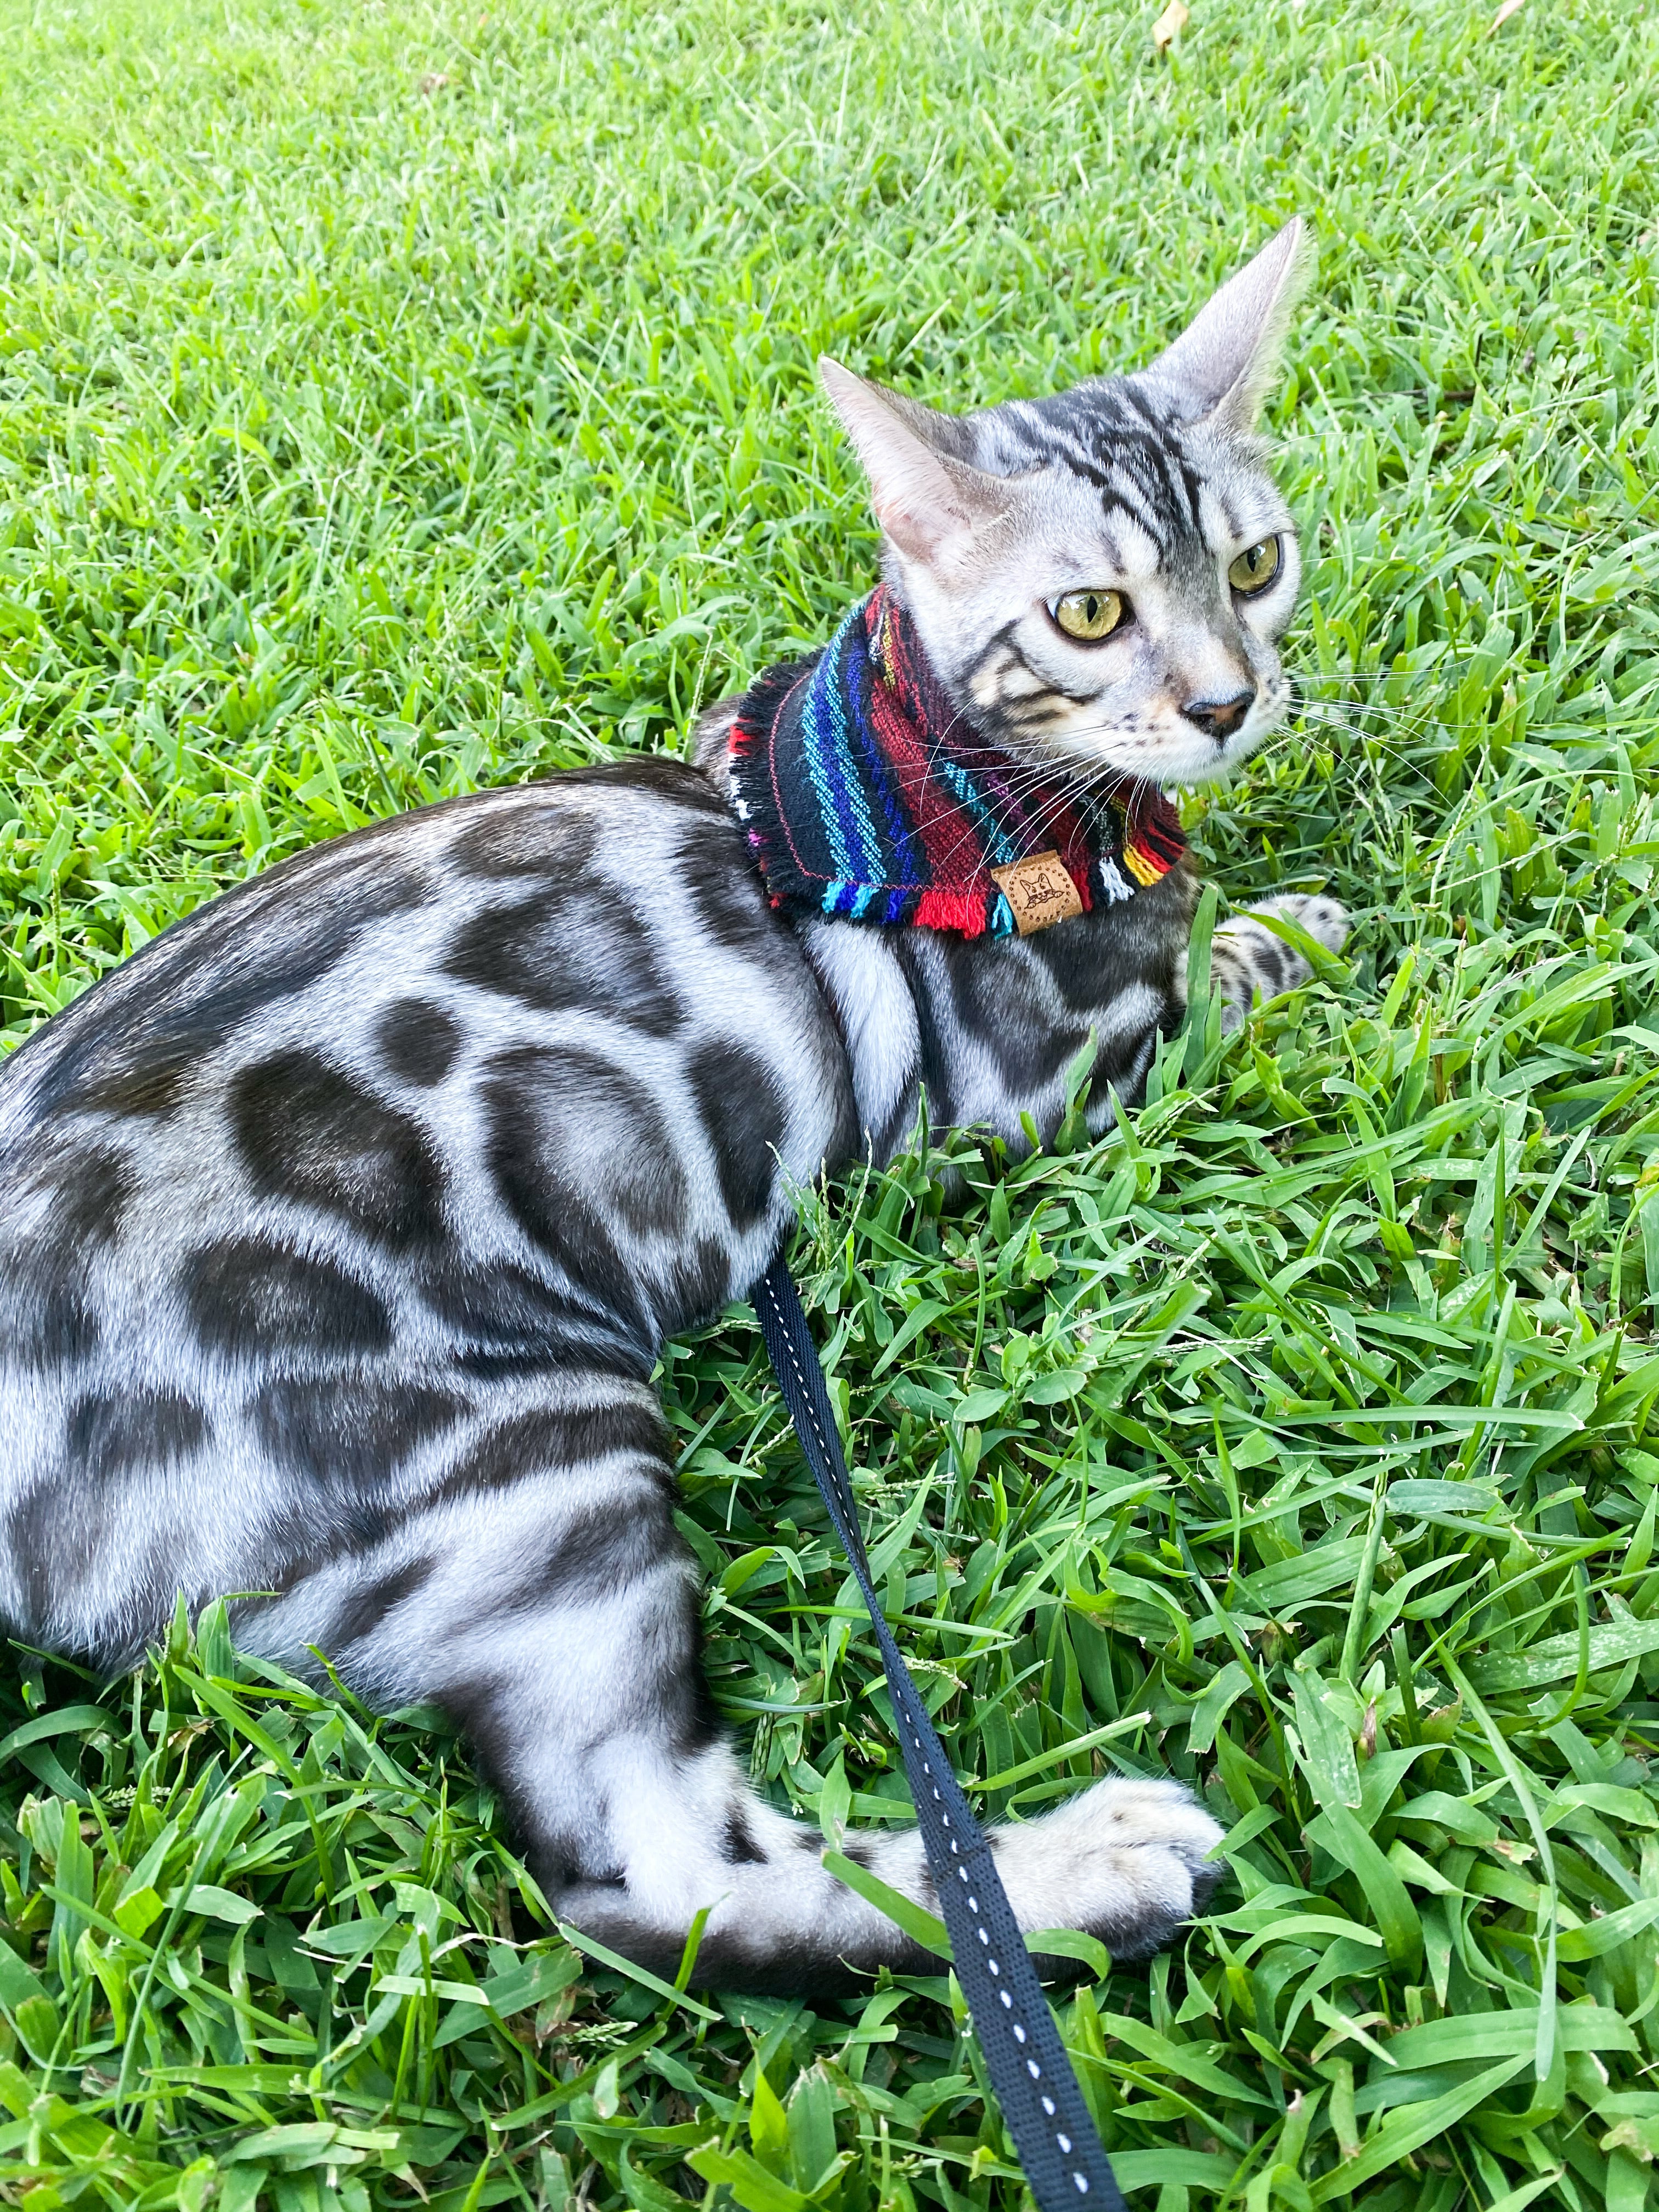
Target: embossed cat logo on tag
[[1039, 891]]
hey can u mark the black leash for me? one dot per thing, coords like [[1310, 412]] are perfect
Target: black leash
[[1065, 2163]]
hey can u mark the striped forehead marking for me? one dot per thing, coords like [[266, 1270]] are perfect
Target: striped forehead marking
[[1114, 439]]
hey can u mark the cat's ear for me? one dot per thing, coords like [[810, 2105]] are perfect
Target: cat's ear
[[1226, 359], [928, 502]]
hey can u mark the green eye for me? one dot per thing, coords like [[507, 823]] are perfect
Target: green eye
[[1255, 570], [1089, 616]]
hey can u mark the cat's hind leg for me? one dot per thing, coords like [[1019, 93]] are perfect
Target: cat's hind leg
[[1248, 961], [1125, 1861], [554, 1610]]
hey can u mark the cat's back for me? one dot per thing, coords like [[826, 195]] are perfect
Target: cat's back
[[492, 1091], [540, 876]]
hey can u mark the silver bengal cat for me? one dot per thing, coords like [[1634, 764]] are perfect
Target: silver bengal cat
[[340, 1228]]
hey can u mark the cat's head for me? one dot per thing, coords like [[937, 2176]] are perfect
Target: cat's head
[[1101, 577]]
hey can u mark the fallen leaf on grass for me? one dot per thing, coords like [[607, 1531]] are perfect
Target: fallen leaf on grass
[[1174, 19], [1503, 14]]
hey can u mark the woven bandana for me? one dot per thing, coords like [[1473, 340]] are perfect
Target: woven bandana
[[863, 792]]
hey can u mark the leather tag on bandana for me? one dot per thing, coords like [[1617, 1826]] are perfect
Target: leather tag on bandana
[[1039, 891]]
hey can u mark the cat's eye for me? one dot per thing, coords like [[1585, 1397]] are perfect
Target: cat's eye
[[1254, 569], [1089, 616]]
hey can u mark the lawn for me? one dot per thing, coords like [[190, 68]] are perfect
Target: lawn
[[399, 398]]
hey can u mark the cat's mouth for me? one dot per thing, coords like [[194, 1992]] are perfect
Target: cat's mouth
[[1167, 748]]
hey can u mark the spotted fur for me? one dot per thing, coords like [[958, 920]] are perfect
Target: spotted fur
[[340, 1230]]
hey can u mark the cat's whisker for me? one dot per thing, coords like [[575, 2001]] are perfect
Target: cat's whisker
[[1357, 717], [1057, 802], [1369, 743], [1423, 711], [1432, 673]]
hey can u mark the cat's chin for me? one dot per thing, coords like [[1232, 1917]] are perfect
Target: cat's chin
[[1168, 761]]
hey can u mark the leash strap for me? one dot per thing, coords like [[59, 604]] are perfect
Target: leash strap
[[1042, 2103]]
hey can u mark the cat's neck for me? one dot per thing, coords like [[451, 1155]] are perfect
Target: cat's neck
[[981, 1021], [864, 794]]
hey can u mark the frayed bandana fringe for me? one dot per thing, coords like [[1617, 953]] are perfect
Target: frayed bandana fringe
[[862, 792]]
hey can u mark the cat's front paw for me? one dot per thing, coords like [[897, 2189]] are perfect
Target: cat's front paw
[[1325, 920], [1246, 957]]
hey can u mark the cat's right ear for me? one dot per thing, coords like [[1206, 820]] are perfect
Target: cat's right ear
[[928, 503]]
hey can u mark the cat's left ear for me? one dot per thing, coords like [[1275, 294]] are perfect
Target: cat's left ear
[[1226, 359]]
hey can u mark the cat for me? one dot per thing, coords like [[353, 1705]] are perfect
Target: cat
[[341, 1226]]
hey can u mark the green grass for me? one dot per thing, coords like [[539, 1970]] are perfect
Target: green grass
[[399, 398]]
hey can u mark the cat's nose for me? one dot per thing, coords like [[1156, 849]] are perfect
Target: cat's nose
[[1219, 717]]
